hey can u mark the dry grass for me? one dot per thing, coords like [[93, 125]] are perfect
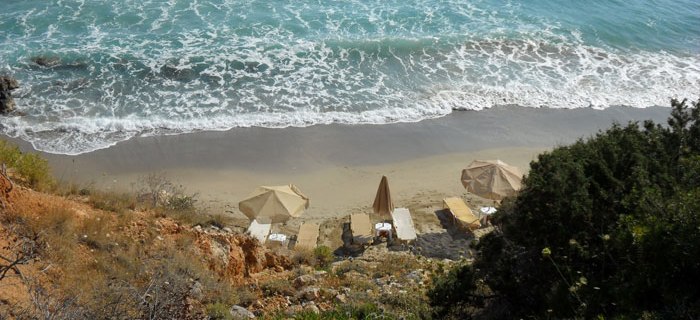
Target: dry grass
[[119, 254], [394, 265], [282, 287]]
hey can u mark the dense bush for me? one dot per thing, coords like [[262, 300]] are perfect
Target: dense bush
[[604, 228]]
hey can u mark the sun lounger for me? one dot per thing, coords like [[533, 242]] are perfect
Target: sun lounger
[[403, 223], [461, 213], [259, 230], [308, 236], [361, 228]]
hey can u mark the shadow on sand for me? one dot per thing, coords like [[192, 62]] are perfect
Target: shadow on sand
[[453, 243]]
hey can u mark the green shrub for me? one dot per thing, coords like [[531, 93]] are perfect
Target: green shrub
[[607, 227], [218, 311], [32, 169], [324, 256], [181, 202]]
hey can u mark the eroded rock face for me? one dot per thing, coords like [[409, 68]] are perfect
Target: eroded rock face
[[237, 256], [7, 84]]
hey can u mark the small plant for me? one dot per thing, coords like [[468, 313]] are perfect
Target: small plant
[[181, 202], [348, 266], [303, 256], [324, 257], [393, 265], [32, 170], [218, 311], [111, 201], [245, 296], [278, 287], [409, 305]]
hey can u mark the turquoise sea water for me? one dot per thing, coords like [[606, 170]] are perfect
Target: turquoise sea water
[[94, 73]]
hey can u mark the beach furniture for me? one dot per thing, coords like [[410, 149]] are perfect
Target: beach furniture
[[259, 230], [492, 179], [403, 223], [383, 229], [361, 228], [276, 240], [274, 204], [485, 214], [308, 236], [462, 215], [383, 205]]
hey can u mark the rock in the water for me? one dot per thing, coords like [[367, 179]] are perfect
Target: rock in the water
[[45, 61], [8, 84], [239, 312], [7, 104]]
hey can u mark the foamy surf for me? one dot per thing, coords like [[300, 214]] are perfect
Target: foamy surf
[[96, 74]]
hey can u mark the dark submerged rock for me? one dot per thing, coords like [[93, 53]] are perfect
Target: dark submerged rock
[[7, 84], [46, 61]]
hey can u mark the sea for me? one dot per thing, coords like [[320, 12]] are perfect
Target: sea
[[97, 72]]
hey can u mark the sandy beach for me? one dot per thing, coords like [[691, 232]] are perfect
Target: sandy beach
[[339, 166]]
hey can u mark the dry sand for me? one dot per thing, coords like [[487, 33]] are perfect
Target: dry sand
[[339, 166]]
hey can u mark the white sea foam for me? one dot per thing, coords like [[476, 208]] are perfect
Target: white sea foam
[[213, 65]]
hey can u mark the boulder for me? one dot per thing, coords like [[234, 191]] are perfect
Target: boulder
[[341, 298], [311, 307], [328, 293], [238, 312], [310, 294], [196, 290], [320, 273], [304, 280], [7, 84], [293, 310]]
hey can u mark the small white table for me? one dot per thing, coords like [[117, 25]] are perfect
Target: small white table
[[383, 228], [488, 210], [277, 238]]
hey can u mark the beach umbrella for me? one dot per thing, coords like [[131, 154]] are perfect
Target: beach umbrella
[[492, 179], [274, 204], [382, 202]]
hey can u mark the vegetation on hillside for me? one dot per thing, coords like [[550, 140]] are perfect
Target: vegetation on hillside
[[82, 253], [31, 170], [608, 227]]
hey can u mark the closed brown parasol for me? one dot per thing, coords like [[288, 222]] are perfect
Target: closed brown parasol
[[382, 202]]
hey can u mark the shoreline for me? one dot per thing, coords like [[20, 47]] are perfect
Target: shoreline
[[339, 166]]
